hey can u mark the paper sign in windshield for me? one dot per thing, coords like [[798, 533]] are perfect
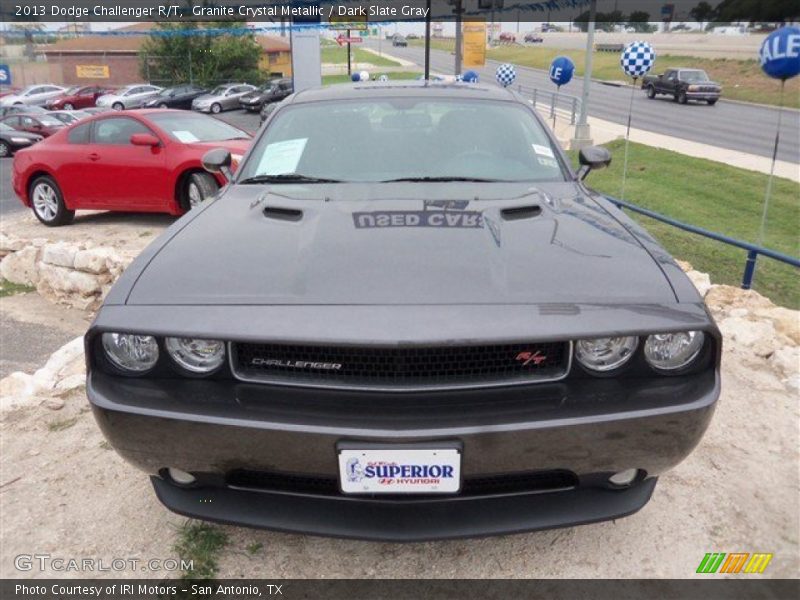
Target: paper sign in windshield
[[282, 157], [187, 137]]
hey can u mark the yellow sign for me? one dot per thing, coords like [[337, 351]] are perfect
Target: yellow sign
[[353, 23], [92, 71], [474, 43]]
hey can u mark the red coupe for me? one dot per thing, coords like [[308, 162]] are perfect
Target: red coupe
[[142, 161], [78, 97]]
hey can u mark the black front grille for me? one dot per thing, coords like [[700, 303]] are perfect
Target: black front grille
[[484, 485], [401, 367]]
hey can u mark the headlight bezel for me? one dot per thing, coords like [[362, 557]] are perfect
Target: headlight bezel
[[172, 349], [112, 362], [688, 364], [630, 344]]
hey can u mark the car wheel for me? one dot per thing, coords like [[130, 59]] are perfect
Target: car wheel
[[48, 202], [711, 102], [118, 106], [651, 92], [216, 108], [198, 187], [5, 149], [68, 106], [163, 105], [682, 99]]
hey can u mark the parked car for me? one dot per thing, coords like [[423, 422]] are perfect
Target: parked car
[[18, 109], [412, 36], [399, 40], [33, 95], [180, 96], [267, 110], [12, 140], [533, 38], [40, 124], [144, 161], [96, 110], [131, 96], [273, 91], [79, 96], [372, 337], [222, 97], [683, 85], [7, 91], [68, 117]]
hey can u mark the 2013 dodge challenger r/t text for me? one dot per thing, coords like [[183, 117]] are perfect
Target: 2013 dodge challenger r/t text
[[404, 318]]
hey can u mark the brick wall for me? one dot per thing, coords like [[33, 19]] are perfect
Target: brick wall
[[123, 69]]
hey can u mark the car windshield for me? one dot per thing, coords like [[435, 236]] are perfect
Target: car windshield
[[4, 127], [49, 121], [192, 127], [404, 139], [72, 91], [693, 76], [219, 90]]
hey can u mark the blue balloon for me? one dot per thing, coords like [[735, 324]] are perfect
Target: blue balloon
[[355, 77], [561, 70], [780, 53], [470, 77]]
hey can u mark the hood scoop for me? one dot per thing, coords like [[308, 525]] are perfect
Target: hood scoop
[[281, 213], [517, 213]]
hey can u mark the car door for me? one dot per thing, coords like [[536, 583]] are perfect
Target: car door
[[85, 97], [670, 81], [73, 168], [125, 176]]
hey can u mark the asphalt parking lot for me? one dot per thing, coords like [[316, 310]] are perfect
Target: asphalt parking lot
[[10, 204]]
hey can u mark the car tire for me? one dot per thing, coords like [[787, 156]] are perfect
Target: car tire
[[163, 105], [651, 92], [68, 106], [197, 188], [47, 202], [216, 108], [682, 99], [118, 106], [711, 102], [5, 149]]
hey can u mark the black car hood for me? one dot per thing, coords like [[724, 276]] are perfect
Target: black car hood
[[405, 243], [255, 95]]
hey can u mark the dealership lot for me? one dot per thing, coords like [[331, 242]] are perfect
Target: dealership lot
[[57, 469]]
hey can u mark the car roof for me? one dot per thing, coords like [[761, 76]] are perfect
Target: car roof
[[405, 89]]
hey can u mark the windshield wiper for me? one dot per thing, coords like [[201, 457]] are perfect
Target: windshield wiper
[[442, 178], [288, 178]]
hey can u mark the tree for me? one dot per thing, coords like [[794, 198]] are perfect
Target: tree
[[640, 21], [184, 52], [702, 12]]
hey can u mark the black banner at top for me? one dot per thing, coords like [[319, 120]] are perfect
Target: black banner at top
[[275, 11]]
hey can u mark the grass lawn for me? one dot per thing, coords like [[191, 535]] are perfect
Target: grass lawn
[[740, 79], [336, 55], [393, 76], [717, 197], [9, 289]]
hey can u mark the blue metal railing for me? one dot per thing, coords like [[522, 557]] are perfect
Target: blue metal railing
[[752, 250]]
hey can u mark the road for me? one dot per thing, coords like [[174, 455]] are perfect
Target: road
[[743, 127]]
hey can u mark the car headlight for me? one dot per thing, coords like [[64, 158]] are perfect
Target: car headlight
[[196, 355], [131, 352], [605, 354], [693, 88], [21, 140], [672, 351]]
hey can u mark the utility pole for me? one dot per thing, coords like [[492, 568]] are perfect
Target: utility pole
[[583, 136], [427, 41], [459, 10]]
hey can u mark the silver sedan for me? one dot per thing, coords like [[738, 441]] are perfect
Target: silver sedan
[[222, 97]]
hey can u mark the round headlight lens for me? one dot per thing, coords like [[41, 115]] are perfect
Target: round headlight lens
[[195, 355], [605, 354], [671, 351], [131, 352]]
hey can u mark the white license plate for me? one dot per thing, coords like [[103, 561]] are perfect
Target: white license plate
[[400, 471]]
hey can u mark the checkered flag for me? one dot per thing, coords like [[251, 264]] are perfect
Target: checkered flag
[[459, 77], [505, 74], [637, 59]]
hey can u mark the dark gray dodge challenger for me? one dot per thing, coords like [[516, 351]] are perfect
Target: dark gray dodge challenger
[[404, 318]]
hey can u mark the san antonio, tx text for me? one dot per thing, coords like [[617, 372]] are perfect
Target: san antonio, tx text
[[139, 590]]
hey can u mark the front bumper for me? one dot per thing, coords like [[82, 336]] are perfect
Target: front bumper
[[590, 428], [703, 95]]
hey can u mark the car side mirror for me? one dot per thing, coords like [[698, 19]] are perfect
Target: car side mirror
[[144, 139], [218, 160], [591, 158]]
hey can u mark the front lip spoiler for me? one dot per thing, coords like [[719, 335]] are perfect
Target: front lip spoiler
[[404, 521]]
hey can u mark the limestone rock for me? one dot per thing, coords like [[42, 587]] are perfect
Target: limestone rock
[[96, 260], [60, 254], [21, 267], [757, 337], [702, 281]]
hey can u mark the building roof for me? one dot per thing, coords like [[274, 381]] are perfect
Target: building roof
[[131, 44]]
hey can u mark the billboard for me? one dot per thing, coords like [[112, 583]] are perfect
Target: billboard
[[474, 54]]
